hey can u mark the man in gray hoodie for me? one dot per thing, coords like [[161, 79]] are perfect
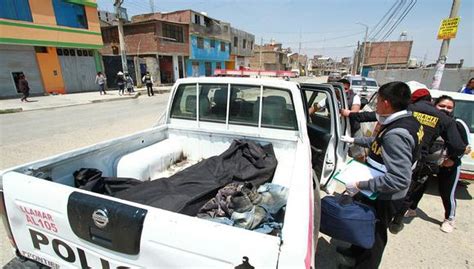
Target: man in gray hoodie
[[394, 151]]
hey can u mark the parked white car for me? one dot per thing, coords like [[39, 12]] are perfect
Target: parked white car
[[365, 87]]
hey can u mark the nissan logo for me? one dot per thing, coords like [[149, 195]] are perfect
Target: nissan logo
[[100, 218]]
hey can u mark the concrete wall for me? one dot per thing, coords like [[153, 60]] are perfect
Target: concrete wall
[[452, 80], [238, 49]]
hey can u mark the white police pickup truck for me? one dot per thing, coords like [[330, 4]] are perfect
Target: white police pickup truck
[[48, 219]]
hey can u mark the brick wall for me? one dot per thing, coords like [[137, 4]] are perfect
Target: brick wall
[[144, 38], [182, 16], [394, 52]]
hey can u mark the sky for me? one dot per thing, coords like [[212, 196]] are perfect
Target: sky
[[329, 27]]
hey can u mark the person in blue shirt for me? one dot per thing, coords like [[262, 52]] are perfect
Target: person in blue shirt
[[469, 87]]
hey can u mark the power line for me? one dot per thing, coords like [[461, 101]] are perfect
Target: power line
[[389, 19], [383, 17], [400, 20]]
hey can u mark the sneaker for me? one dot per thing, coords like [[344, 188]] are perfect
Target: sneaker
[[447, 226], [395, 228], [411, 213]]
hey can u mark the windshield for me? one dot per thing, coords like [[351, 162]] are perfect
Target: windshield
[[465, 111], [371, 83], [356, 82], [360, 82]]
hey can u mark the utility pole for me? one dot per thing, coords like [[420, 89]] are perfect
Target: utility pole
[[355, 65], [364, 44], [123, 54], [388, 54], [444, 50], [261, 48], [152, 6]]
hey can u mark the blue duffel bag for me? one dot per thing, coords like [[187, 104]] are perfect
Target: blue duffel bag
[[347, 220]]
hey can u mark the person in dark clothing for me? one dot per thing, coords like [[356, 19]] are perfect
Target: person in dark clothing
[[448, 174], [393, 151], [148, 80], [120, 80], [435, 124], [24, 88]]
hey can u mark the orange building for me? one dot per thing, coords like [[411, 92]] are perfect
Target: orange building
[[53, 43]]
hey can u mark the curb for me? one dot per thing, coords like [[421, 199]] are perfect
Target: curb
[[11, 110], [135, 96]]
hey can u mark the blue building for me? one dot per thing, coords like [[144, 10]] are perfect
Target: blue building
[[206, 55], [209, 44]]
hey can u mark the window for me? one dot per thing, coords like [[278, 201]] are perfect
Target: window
[[244, 43], [79, 53], [213, 43], [242, 104], [244, 108], [72, 52], [59, 52], [200, 42], [236, 41], [278, 110], [222, 46], [218, 65], [251, 45], [173, 33], [213, 102], [41, 50], [184, 104], [321, 117], [197, 19], [15, 10], [68, 14]]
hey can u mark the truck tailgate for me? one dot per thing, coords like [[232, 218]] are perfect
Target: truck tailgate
[[61, 226]]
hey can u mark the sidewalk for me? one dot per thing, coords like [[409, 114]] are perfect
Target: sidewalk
[[73, 99]]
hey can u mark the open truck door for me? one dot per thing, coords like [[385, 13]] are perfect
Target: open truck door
[[325, 126]]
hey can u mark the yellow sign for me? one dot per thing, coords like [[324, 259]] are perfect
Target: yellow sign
[[448, 28]]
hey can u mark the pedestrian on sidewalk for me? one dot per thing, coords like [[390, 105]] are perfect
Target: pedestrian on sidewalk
[[120, 80], [129, 83], [101, 79], [148, 80], [24, 88]]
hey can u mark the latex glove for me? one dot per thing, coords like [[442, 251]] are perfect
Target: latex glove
[[347, 139], [352, 188], [345, 112]]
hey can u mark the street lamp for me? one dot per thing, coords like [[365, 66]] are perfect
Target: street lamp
[[365, 43]]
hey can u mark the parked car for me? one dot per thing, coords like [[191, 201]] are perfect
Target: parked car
[[464, 110], [334, 77], [50, 220], [365, 87]]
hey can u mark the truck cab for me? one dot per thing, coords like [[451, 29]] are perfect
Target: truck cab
[[50, 221]]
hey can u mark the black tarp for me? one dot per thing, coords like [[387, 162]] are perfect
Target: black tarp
[[188, 190]]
